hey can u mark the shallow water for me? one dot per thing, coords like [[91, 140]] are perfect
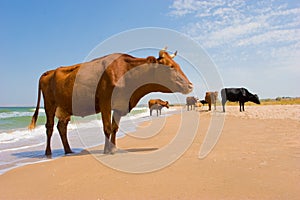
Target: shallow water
[[20, 146]]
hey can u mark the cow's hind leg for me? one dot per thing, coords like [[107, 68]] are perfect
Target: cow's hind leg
[[50, 113], [223, 104], [63, 120], [62, 129]]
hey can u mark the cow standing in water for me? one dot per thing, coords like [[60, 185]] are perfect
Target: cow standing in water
[[157, 104], [115, 82], [191, 101], [241, 95], [211, 98]]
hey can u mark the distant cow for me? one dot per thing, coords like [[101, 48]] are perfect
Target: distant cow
[[157, 104], [211, 98], [191, 101], [203, 102], [241, 95]]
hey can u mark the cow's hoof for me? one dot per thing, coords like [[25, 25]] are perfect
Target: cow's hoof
[[106, 151], [48, 153], [111, 150], [68, 152]]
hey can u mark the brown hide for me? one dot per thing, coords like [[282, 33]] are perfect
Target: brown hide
[[211, 98], [115, 82], [191, 101], [157, 104]]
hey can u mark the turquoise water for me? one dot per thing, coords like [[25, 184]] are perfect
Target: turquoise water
[[12, 118]]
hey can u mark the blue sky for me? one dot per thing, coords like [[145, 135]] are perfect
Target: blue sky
[[255, 44]]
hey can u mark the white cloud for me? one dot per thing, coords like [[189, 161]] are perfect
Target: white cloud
[[222, 20], [248, 35], [184, 7], [271, 36], [238, 23]]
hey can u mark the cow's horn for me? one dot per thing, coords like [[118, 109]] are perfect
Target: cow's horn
[[174, 54], [165, 48], [161, 52]]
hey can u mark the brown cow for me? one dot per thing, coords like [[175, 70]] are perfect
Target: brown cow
[[157, 104], [211, 98], [191, 101], [115, 82]]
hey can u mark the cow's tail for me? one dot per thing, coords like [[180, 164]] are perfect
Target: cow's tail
[[223, 94], [36, 112]]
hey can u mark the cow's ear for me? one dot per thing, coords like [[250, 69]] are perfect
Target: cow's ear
[[151, 59]]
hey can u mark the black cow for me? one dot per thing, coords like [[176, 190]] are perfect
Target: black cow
[[203, 102], [241, 95]]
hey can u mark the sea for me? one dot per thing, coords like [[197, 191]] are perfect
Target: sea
[[20, 146]]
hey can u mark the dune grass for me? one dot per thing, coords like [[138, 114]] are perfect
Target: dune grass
[[277, 101]]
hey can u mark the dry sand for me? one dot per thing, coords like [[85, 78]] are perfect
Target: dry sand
[[257, 157]]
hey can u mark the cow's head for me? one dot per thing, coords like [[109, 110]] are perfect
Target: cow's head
[[167, 104], [254, 98], [179, 81]]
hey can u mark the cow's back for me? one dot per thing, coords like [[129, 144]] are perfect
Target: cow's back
[[191, 100], [152, 102], [232, 94], [63, 83], [73, 88]]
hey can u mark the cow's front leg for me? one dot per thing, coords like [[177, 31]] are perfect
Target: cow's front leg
[[115, 127], [240, 106], [107, 128]]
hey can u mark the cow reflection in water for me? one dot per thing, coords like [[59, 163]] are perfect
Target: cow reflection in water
[[115, 82]]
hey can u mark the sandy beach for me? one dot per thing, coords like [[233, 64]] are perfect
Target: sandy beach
[[257, 156]]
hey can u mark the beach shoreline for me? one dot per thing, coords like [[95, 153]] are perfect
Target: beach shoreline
[[257, 157], [20, 146]]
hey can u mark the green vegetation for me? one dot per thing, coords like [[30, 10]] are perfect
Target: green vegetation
[[281, 101], [276, 101]]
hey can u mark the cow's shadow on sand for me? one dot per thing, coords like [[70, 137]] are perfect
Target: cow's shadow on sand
[[40, 154], [119, 151]]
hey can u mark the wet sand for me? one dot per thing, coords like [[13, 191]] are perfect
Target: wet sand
[[256, 157]]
